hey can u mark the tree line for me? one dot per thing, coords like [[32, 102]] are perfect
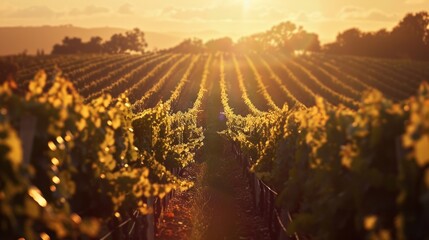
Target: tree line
[[130, 41], [286, 37], [408, 39]]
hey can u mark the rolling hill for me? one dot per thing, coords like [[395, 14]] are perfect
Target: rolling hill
[[16, 40]]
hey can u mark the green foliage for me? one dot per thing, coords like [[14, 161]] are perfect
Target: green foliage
[[408, 39], [89, 163], [285, 37], [130, 41], [344, 174], [190, 45], [224, 44], [133, 41]]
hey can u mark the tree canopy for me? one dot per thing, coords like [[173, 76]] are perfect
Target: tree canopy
[[285, 37], [131, 41], [190, 45], [224, 44], [408, 39]]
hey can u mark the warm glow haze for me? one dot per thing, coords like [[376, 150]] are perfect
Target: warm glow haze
[[211, 18]]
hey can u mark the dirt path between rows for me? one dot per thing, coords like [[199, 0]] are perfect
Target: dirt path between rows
[[220, 207]]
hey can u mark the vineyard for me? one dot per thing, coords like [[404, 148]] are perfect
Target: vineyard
[[334, 147]]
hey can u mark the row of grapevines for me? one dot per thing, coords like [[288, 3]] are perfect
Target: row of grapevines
[[90, 163], [253, 109], [291, 99], [329, 79], [236, 124], [393, 75], [261, 84], [185, 79], [365, 76], [315, 83], [160, 83], [119, 75], [414, 69], [386, 76], [135, 89], [345, 174], [351, 80], [137, 76], [29, 65], [173, 138], [308, 94], [203, 85], [87, 63], [93, 71]]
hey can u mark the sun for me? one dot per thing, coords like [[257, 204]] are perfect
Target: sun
[[246, 4]]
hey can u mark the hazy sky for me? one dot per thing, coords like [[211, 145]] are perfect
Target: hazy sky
[[234, 17]]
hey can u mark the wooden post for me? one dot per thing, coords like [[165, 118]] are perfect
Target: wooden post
[[284, 216], [27, 130], [271, 217], [150, 231], [400, 152], [257, 190]]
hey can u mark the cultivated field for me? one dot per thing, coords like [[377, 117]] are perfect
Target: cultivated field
[[268, 80], [336, 145]]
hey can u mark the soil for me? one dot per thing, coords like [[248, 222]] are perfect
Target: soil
[[221, 205], [229, 211], [176, 220]]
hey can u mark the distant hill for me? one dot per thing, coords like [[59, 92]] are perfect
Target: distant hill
[[15, 40], [204, 35]]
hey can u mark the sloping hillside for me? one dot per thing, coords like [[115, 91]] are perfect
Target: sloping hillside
[[17, 39]]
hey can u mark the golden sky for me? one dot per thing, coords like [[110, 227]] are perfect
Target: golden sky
[[234, 18]]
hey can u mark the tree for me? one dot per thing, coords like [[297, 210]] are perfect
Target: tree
[[411, 36], [116, 44], [136, 40], [133, 41], [222, 44], [94, 45], [409, 39], [279, 35], [285, 37], [304, 41], [254, 43], [190, 45], [69, 46], [377, 44], [349, 40]]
